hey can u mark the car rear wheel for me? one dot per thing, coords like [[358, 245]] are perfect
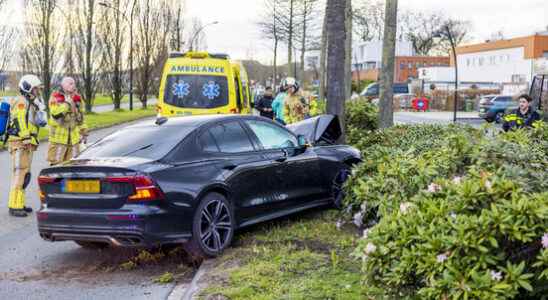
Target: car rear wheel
[[92, 245], [212, 228], [337, 191]]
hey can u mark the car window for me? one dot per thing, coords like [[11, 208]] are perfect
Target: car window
[[231, 138], [152, 142], [272, 136], [208, 143]]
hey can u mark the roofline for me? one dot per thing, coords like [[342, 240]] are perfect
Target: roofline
[[534, 46]]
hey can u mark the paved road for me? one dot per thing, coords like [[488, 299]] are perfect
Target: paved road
[[437, 118], [31, 268]]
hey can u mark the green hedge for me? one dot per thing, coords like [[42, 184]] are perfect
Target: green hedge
[[454, 212]]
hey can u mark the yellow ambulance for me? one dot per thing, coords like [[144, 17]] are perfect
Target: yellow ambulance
[[196, 83]]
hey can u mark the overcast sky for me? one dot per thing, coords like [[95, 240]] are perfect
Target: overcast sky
[[237, 33]]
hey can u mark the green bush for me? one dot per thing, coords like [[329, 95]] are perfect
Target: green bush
[[457, 212], [361, 117]]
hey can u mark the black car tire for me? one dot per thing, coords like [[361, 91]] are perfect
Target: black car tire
[[213, 227], [92, 245], [337, 191]]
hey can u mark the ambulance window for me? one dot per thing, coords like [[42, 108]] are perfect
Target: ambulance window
[[244, 92], [196, 91]]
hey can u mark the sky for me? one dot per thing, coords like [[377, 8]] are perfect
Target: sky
[[237, 33]]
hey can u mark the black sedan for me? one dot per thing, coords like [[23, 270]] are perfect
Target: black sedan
[[192, 180]]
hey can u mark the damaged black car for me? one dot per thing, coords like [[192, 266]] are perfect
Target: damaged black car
[[192, 180]]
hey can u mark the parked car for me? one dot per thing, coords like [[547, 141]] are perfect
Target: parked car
[[372, 90], [192, 180], [493, 107]]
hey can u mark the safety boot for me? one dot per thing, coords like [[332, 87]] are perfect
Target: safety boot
[[27, 209], [18, 213]]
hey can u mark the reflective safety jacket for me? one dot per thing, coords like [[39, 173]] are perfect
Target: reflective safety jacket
[[66, 124], [295, 109], [516, 119], [22, 126], [278, 106]]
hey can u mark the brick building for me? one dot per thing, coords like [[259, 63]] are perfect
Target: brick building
[[405, 68]]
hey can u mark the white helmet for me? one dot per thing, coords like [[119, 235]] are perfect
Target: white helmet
[[29, 82]]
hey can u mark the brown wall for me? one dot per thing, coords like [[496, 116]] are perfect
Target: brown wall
[[371, 74], [407, 66]]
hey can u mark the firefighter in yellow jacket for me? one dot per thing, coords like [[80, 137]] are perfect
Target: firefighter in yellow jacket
[[295, 107], [27, 116], [67, 129]]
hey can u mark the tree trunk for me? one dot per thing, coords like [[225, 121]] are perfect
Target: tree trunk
[[303, 41], [386, 94], [323, 53], [88, 80], [275, 63], [348, 51], [336, 31]]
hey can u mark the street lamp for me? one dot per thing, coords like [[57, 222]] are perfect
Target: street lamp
[[445, 31], [130, 21], [198, 32]]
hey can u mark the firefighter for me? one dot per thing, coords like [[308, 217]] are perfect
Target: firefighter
[[67, 129], [522, 117], [27, 116], [295, 107]]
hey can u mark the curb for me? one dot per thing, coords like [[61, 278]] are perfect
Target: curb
[[194, 288]]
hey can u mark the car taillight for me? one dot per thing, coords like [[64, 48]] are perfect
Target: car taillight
[[43, 180], [145, 188]]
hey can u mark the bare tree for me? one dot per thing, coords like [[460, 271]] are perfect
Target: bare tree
[[368, 19], [151, 41], [111, 37], [197, 35], [41, 43], [177, 25], [271, 30], [336, 33], [307, 12], [420, 29], [7, 45], [386, 94], [460, 32], [87, 50]]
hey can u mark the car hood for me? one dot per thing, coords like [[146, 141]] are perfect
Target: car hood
[[319, 129]]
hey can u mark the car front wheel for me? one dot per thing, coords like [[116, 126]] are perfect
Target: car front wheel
[[337, 191], [213, 227]]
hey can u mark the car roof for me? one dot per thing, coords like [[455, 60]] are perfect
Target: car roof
[[192, 121]]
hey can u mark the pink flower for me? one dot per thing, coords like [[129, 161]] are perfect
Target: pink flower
[[488, 184], [433, 187], [370, 248], [496, 276], [545, 241], [404, 207], [441, 258], [358, 219], [457, 180]]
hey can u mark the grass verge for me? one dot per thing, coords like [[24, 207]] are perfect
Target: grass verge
[[107, 100], [111, 118], [304, 257]]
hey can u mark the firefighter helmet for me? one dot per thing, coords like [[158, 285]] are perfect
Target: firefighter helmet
[[28, 83]]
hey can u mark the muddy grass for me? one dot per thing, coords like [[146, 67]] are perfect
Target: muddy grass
[[301, 257]]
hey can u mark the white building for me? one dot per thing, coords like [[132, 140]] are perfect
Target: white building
[[368, 55], [502, 61]]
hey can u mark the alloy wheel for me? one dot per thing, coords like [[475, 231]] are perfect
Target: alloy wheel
[[215, 226]]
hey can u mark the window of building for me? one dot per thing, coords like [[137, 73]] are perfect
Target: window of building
[[402, 66], [480, 61], [410, 66], [545, 54]]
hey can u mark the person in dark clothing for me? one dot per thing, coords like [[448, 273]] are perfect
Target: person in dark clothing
[[523, 116], [264, 105]]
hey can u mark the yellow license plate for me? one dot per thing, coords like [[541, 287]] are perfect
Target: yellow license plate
[[82, 186]]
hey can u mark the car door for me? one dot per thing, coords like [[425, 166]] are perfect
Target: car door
[[245, 169], [298, 172]]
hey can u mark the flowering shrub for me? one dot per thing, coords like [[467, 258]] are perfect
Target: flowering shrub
[[460, 215]]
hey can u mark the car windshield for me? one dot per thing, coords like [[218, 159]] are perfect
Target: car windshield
[[153, 142], [196, 91]]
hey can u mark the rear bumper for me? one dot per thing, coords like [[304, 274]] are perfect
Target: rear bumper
[[143, 228]]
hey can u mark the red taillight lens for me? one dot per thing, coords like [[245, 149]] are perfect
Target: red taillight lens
[[43, 180], [145, 188], [233, 111]]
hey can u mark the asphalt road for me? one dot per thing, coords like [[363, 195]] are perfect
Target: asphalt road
[[31, 268], [437, 118]]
